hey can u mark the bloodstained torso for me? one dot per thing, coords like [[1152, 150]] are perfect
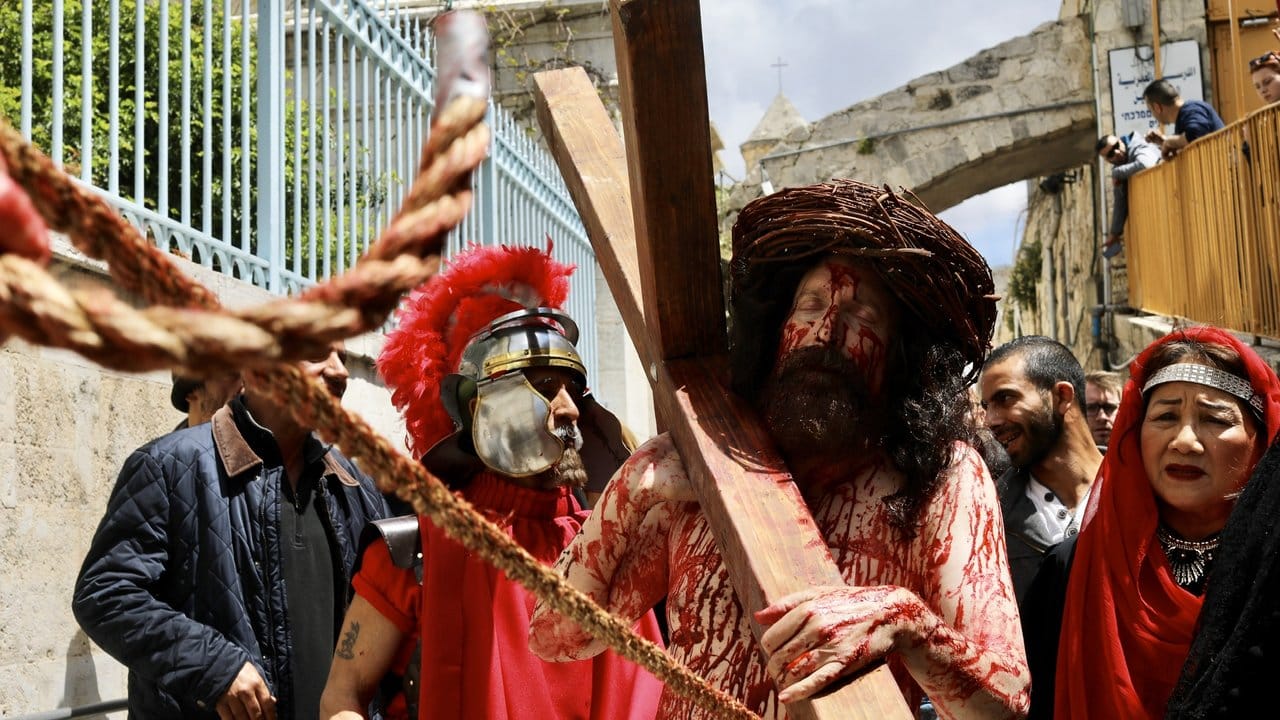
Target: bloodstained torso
[[955, 564], [722, 648]]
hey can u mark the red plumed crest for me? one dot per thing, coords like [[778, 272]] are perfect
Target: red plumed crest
[[435, 322]]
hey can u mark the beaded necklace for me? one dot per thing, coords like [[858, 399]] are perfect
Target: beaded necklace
[[1190, 559]]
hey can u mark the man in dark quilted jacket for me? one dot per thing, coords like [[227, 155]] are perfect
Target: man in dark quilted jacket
[[218, 574]]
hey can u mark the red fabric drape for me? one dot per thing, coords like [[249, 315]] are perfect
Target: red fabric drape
[[476, 662], [1127, 626]]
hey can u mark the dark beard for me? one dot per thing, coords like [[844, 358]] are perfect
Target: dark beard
[[1042, 432], [815, 403], [569, 472]]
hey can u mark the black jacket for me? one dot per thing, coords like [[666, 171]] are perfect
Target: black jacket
[[1027, 537], [183, 581]]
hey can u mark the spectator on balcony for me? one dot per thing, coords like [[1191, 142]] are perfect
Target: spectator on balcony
[[1265, 71], [1127, 155], [1192, 119]]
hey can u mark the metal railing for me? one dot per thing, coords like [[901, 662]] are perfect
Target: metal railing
[[1203, 239], [267, 140]]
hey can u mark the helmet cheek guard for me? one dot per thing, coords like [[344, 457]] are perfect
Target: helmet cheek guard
[[496, 411], [510, 429]]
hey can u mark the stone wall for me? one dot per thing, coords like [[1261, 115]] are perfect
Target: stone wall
[[1060, 217], [66, 427], [529, 36]]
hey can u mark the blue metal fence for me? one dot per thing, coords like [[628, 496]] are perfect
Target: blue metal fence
[[268, 140]]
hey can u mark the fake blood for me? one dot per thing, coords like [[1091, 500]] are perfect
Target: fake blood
[[25, 233], [857, 341], [965, 613]]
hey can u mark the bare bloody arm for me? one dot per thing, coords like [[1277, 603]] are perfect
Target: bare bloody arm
[[620, 557], [972, 664]]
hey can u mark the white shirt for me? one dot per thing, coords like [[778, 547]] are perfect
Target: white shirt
[[1062, 521]]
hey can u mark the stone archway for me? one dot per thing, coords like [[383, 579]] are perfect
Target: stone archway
[[1021, 109]]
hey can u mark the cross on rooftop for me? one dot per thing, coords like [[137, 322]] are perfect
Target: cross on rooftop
[[779, 65]]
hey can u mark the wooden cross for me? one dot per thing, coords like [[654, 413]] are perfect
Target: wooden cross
[[650, 213]]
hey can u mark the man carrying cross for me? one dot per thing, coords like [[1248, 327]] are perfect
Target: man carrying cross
[[854, 316]]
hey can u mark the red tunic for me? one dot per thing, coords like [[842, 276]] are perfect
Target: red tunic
[[476, 662]]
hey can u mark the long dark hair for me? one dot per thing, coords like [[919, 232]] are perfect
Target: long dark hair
[[927, 413]]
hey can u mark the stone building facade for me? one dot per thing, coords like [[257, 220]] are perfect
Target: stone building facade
[[1081, 300], [1030, 108]]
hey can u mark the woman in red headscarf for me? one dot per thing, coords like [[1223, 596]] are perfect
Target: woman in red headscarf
[[1198, 411]]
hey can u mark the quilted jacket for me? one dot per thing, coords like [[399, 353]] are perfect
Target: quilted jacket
[[183, 584]]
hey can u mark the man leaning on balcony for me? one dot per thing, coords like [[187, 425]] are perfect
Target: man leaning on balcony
[[1192, 119], [1128, 155]]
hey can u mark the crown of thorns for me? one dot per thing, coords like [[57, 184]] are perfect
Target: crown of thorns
[[934, 272]]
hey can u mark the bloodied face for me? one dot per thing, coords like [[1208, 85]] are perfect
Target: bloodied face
[[843, 306], [831, 359]]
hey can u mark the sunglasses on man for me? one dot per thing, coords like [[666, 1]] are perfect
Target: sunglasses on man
[[1096, 408]]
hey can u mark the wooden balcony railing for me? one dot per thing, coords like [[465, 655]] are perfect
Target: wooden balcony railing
[[1203, 240]]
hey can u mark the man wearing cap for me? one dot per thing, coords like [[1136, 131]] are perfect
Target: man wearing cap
[[219, 572], [854, 315], [200, 399], [1128, 155], [483, 367]]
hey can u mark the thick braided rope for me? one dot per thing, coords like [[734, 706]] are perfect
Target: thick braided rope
[[314, 407], [106, 328], [112, 333], [179, 329]]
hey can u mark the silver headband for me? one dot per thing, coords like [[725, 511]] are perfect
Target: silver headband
[[1209, 377]]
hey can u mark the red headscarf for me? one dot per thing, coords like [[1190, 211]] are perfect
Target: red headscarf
[[1127, 626]]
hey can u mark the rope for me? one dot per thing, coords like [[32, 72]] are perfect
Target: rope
[[314, 407], [186, 328]]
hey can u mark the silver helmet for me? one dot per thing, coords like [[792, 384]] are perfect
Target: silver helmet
[[499, 415]]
